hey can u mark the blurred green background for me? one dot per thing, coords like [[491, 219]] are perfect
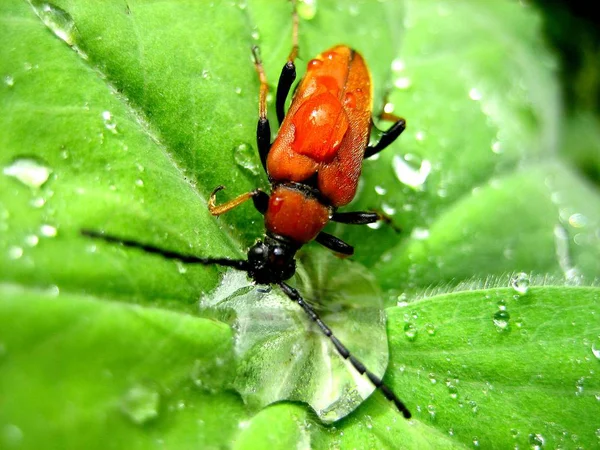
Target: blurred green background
[[572, 29]]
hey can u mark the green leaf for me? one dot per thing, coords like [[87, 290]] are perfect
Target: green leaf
[[284, 355], [123, 116]]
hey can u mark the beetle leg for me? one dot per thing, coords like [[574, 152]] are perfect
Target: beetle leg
[[363, 218], [295, 296], [288, 73], [259, 198], [263, 129], [387, 137], [334, 244]]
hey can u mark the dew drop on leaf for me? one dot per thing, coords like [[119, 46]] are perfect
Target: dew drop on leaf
[[430, 329], [501, 320], [11, 436], [109, 122], [411, 171], [31, 240], [410, 331], [520, 283], [596, 350], [29, 171], [307, 9], [244, 157], [48, 230], [140, 404], [536, 441], [56, 19], [15, 252]]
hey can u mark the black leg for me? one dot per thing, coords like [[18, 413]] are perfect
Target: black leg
[[356, 217], [168, 254], [263, 129], [335, 244], [295, 296], [387, 137], [363, 218], [286, 79], [263, 140]]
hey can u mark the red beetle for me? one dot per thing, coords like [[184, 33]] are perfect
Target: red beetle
[[313, 166]]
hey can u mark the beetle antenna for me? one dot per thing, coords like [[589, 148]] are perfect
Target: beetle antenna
[[295, 296], [239, 264]]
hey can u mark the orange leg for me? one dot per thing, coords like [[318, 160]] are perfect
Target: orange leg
[[260, 198]]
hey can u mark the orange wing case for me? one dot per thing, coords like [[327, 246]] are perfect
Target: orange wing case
[[326, 129]]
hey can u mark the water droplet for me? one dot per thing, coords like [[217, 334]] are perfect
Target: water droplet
[[501, 320], [9, 81], [15, 252], [245, 157], [579, 386], [139, 182], [181, 268], [430, 329], [410, 330], [474, 407], [536, 441], [375, 225], [380, 190], [410, 171], [402, 82], [388, 209], [238, 90], [29, 171], [398, 65], [474, 94], [475, 441], [432, 378], [419, 234], [307, 9], [109, 122], [140, 404], [205, 74], [577, 220], [37, 202], [497, 147], [11, 436], [452, 390], [388, 108], [48, 230], [57, 20], [431, 412], [520, 283], [31, 240], [596, 350]]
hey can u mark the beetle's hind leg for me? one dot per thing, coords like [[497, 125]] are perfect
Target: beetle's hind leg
[[363, 218], [334, 244], [288, 72], [388, 136], [263, 129]]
